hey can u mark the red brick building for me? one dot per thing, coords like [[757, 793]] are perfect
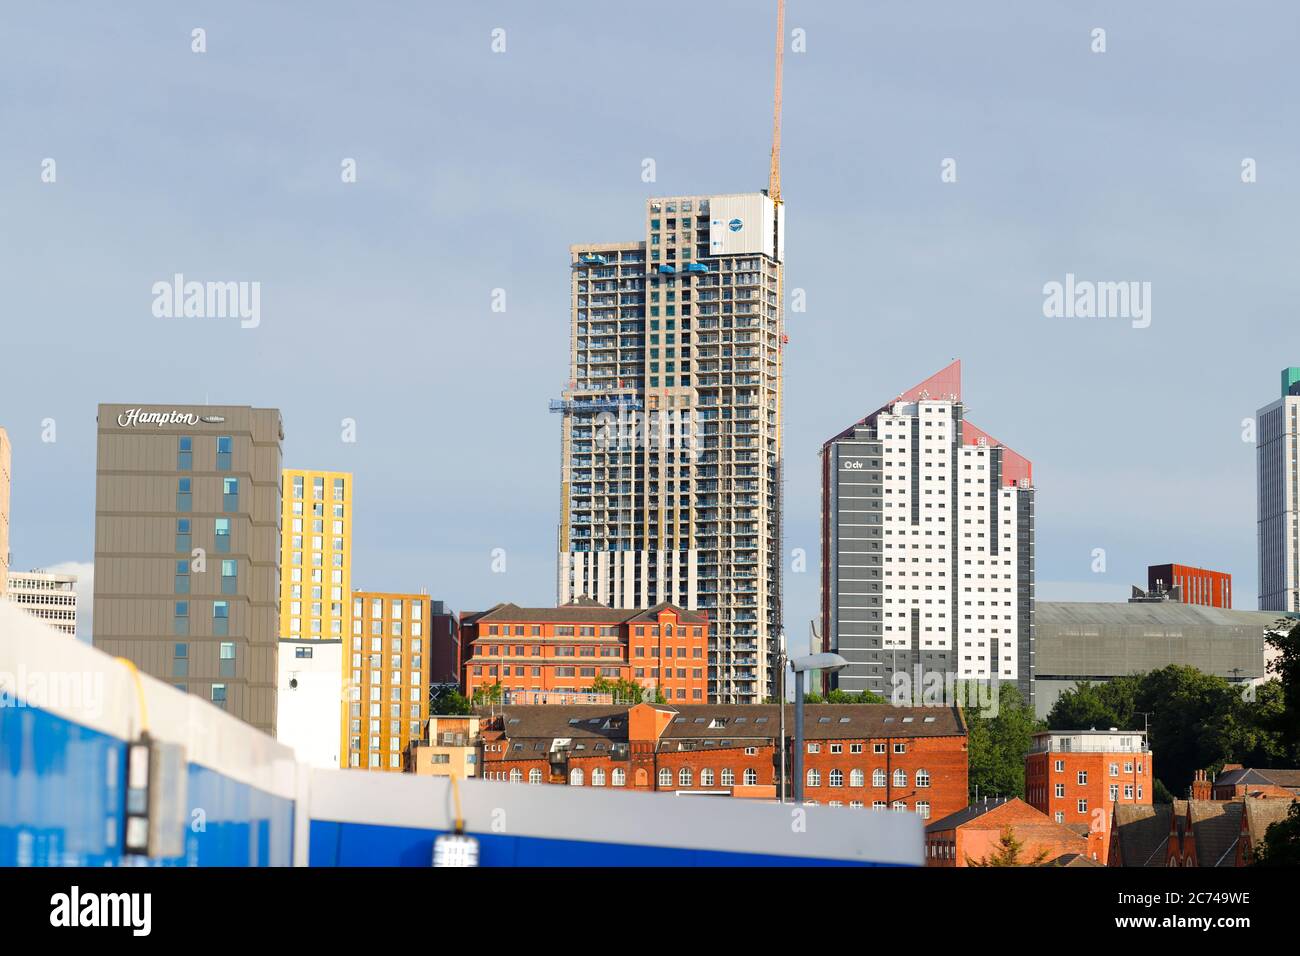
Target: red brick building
[[974, 833], [565, 649], [1077, 777], [859, 755]]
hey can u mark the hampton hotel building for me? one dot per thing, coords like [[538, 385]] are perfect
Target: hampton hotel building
[[187, 511]]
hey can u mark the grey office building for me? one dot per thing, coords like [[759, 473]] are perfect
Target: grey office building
[[1078, 641], [187, 511]]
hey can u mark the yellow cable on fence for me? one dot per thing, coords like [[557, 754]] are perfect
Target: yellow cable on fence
[[139, 693], [455, 793]]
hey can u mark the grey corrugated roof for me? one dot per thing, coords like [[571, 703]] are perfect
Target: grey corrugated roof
[[1164, 615]]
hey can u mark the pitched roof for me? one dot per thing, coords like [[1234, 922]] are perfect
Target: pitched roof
[[582, 611], [972, 812], [1261, 814], [738, 722], [1143, 832], [1217, 827], [1246, 776], [1071, 859]]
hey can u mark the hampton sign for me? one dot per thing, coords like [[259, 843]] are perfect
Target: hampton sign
[[133, 417]]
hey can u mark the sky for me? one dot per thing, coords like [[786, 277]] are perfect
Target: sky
[[476, 168]]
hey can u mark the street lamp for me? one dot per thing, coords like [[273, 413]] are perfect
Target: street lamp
[[801, 665]]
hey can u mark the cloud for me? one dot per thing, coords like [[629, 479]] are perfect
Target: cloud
[[85, 572]]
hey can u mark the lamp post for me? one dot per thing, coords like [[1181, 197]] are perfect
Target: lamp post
[[801, 665]]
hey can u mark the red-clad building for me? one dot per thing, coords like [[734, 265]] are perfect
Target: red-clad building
[[858, 755], [1077, 777], [564, 650], [1195, 585]]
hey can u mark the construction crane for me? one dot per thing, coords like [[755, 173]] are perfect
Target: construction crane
[[774, 176]]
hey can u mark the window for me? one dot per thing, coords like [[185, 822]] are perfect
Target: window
[[665, 777], [923, 809], [900, 777], [1083, 776], [923, 778], [814, 748], [229, 577], [814, 778], [751, 777], [900, 748], [684, 777], [183, 538], [224, 446], [184, 497], [706, 778], [1060, 790], [835, 778], [222, 529], [516, 775], [182, 581], [618, 778], [219, 695], [227, 659], [185, 454], [1083, 806], [856, 778], [877, 748], [229, 494], [1060, 766], [1114, 770], [220, 618], [534, 776], [181, 660], [181, 619], [728, 777], [878, 777]]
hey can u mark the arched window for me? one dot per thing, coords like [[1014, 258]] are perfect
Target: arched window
[[836, 778], [900, 805], [516, 775], [665, 777], [598, 777], [575, 777], [706, 778], [900, 777], [814, 778], [534, 776], [684, 777], [751, 777], [856, 778], [923, 778], [619, 777], [877, 777], [728, 777], [923, 809]]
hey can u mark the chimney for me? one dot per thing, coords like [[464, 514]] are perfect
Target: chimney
[[1201, 786]]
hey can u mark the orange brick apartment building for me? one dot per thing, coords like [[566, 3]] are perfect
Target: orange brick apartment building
[[1078, 777], [565, 649], [858, 755]]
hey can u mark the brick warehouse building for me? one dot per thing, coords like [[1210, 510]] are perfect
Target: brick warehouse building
[[565, 649], [1077, 777], [859, 755]]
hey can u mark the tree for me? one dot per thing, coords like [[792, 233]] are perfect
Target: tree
[[1281, 843], [452, 702], [997, 744], [1008, 853], [1107, 704], [626, 691], [1284, 637], [838, 696], [488, 694]]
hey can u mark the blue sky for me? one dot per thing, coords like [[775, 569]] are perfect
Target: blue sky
[[476, 170]]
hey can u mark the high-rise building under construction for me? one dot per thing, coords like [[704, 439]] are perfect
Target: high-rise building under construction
[[671, 443]]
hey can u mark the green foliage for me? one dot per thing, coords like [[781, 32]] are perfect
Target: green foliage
[[453, 702], [997, 744], [1285, 639], [489, 694], [1008, 852], [1198, 721], [1281, 843], [838, 696], [626, 691]]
